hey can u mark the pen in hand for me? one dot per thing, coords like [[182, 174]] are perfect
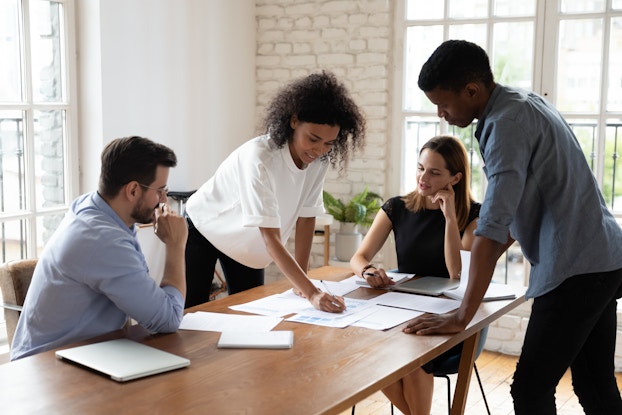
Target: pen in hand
[[330, 293]]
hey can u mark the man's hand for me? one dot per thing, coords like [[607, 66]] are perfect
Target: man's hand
[[170, 227], [435, 324]]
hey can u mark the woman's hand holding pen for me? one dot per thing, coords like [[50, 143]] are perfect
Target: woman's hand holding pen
[[327, 302], [377, 278]]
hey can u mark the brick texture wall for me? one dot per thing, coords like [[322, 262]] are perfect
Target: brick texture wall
[[353, 39]]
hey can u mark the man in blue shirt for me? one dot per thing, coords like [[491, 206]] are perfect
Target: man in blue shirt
[[541, 193], [92, 275]]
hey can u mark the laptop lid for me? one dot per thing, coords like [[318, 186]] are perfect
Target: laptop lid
[[427, 285], [123, 359]]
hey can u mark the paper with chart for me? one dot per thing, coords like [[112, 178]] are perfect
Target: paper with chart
[[355, 310], [287, 302]]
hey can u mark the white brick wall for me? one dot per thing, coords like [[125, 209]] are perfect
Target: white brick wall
[[354, 40]]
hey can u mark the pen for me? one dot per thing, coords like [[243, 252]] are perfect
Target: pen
[[371, 274], [327, 289], [330, 293]]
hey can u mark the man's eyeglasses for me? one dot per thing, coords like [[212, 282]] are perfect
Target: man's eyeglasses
[[160, 190]]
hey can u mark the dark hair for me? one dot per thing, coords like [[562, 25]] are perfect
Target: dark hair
[[320, 99], [131, 158], [454, 64], [456, 161]]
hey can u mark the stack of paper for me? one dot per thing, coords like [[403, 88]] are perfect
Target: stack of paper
[[495, 291]]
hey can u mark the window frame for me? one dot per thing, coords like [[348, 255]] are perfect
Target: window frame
[[31, 213]]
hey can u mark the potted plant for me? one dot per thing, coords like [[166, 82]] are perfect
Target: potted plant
[[360, 210]]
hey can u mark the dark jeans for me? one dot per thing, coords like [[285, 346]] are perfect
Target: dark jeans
[[201, 257], [572, 326]]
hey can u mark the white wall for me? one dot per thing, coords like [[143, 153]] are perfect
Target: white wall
[[179, 72]]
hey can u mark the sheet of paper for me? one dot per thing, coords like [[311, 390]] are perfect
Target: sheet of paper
[[384, 318], [287, 302], [423, 303], [208, 321], [277, 305], [495, 291], [355, 310], [337, 288]]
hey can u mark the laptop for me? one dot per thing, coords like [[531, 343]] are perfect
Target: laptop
[[123, 359], [434, 286]]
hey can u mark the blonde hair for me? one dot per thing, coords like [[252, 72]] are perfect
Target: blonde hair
[[456, 160]]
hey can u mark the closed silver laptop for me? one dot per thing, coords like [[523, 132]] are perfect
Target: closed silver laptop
[[123, 359]]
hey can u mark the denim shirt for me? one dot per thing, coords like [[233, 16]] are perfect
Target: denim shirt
[[541, 190], [90, 277]]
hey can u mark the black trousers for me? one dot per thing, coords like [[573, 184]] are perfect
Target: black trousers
[[573, 326], [201, 257]]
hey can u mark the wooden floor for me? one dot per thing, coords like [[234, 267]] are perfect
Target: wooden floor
[[496, 371]]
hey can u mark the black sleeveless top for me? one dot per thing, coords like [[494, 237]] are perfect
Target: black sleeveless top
[[420, 237]]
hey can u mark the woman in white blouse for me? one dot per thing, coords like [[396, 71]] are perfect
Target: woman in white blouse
[[245, 213]]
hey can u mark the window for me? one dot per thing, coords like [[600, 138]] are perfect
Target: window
[[36, 116], [569, 51]]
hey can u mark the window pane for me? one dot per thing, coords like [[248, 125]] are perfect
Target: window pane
[[46, 226], [612, 178], [513, 54], [421, 41], [614, 93], [13, 243], [424, 9], [47, 53], [461, 9], [508, 8], [575, 6], [579, 65], [12, 163], [49, 158], [475, 33], [586, 133], [10, 81], [616, 4], [418, 130]]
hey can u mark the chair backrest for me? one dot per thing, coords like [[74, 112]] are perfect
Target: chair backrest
[[15, 277], [451, 364]]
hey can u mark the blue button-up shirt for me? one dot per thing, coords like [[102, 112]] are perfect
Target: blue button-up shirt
[[90, 277], [541, 190]]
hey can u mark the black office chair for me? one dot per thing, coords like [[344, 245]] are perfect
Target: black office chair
[[450, 367]]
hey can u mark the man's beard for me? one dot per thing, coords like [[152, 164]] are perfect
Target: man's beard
[[143, 214]]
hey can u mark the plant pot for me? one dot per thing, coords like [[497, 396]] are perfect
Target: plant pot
[[347, 241]]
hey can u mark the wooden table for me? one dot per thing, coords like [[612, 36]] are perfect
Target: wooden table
[[326, 372]]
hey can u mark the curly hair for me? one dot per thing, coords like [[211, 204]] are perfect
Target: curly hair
[[320, 99], [454, 64]]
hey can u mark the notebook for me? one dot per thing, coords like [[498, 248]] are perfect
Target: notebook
[[278, 339], [123, 359], [427, 285]]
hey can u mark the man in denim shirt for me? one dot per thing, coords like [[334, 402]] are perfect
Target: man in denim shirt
[[92, 275], [542, 193]]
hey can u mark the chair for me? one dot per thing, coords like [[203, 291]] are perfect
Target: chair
[[15, 277], [451, 365]]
